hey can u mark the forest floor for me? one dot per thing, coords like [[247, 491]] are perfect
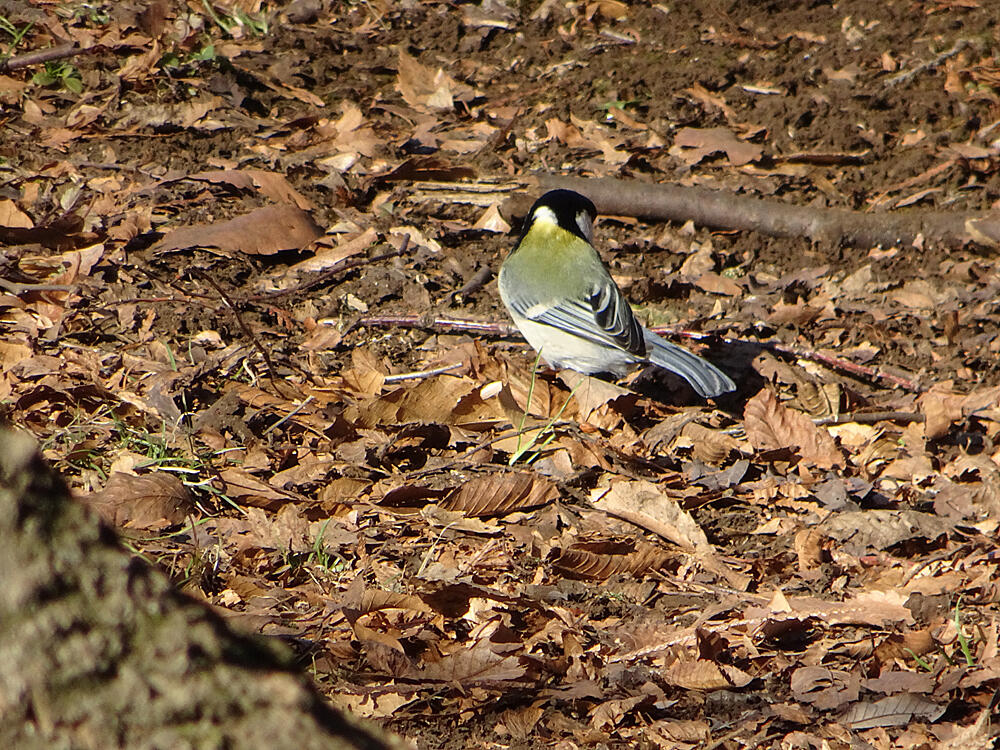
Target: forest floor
[[249, 310]]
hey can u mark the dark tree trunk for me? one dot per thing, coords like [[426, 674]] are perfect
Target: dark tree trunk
[[98, 650]]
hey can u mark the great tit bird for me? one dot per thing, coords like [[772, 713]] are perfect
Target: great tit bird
[[565, 303]]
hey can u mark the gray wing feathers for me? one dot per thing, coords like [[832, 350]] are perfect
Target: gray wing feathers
[[703, 376], [606, 318], [572, 317], [616, 319]]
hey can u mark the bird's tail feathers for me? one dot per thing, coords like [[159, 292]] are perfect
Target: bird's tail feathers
[[707, 379]]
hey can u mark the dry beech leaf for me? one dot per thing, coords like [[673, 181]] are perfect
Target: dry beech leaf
[[893, 711], [824, 688], [645, 505], [687, 731], [150, 501], [373, 705], [271, 185], [613, 10], [285, 531], [703, 674], [519, 383], [710, 446], [876, 608], [977, 736], [13, 353], [12, 216], [601, 560], [592, 393], [520, 722], [426, 90], [492, 221], [797, 314], [940, 411], [694, 144], [609, 714], [366, 375], [713, 283], [371, 600], [263, 231], [431, 400], [818, 400], [808, 545], [893, 681], [770, 425], [470, 666], [862, 531], [454, 520], [500, 494]]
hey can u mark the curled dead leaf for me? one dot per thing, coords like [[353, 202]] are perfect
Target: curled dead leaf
[[272, 185], [824, 688], [710, 446], [703, 674], [428, 90], [601, 560], [940, 411], [497, 495], [770, 426], [694, 144], [470, 666]]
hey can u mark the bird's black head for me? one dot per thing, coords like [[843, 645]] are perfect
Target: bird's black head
[[573, 212]]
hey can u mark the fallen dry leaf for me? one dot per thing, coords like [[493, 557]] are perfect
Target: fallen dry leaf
[[895, 710], [149, 501], [770, 426], [263, 231], [694, 144], [273, 186], [500, 494]]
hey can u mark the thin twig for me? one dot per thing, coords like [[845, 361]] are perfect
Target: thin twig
[[17, 289], [432, 323], [421, 373], [870, 417], [907, 75], [338, 269], [40, 56], [272, 371], [290, 414], [862, 372]]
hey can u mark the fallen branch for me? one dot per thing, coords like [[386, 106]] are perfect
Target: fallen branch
[[16, 288], [40, 56], [717, 209], [862, 372]]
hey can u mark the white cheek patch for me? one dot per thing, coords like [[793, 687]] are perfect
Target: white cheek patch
[[586, 225], [544, 215]]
